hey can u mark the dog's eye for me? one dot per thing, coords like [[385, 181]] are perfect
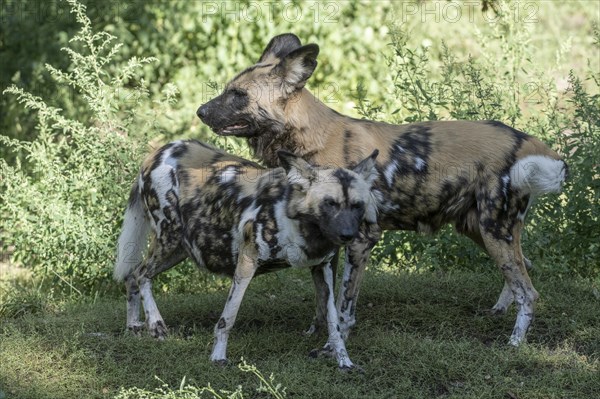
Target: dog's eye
[[357, 206], [332, 203], [238, 92]]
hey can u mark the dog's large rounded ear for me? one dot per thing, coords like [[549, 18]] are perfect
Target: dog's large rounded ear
[[299, 171], [296, 67], [280, 46], [367, 168]]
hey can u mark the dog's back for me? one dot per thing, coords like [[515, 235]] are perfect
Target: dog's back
[[195, 197], [196, 200]]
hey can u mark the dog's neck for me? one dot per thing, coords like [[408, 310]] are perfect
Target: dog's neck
[[318, 245], [308, 124], [305, 113], [311, 121]]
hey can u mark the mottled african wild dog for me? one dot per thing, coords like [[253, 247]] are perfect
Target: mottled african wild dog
[[481, 176], [235, 218]]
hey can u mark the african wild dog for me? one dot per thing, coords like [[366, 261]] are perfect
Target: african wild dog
[[235, 218], [481, 176]]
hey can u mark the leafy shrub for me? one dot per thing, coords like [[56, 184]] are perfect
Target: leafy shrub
[[61, 196]]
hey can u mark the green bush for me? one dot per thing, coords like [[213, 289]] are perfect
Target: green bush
[[62, 196]]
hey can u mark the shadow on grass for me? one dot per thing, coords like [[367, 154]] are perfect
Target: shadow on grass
[[418, 335]]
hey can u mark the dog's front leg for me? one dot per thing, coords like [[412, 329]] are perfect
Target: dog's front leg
[[321, 292], [335, 342], [244, 272], [354, 267], [355, 263]]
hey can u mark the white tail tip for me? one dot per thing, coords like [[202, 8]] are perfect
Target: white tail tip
[[538, 174]]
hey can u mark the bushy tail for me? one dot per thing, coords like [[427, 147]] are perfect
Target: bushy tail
[[538, 174], [133, 239]]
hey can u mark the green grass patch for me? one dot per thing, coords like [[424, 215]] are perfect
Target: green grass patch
[[418, 336]]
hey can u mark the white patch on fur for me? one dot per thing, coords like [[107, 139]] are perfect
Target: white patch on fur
[[390, 171], [420, 164], [538, 174], [229, 174], [505, 183], [162, 183], [264, 251], [170, 161]]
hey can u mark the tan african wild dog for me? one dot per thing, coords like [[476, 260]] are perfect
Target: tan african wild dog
[[481, 176], [235, 218]]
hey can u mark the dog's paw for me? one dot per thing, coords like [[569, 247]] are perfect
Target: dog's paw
[[158, 330], [326, 351], [136, 328], [351, 369], [316, 329], [312, 330], [493, 312], [220, 362]]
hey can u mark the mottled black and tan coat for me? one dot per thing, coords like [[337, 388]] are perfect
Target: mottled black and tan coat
[[481, 176], [235, 218]]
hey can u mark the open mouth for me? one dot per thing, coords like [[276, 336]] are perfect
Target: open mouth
[[233, 129]]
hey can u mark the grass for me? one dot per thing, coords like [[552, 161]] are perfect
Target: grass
[[418, 336]]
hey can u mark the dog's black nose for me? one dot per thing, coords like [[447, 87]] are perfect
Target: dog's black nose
[[202, 111], [346, 237]]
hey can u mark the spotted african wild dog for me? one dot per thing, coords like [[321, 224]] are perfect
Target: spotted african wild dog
[[482, 176], [235, 218]]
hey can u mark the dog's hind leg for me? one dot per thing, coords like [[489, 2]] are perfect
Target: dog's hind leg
[[506, 297], [475, 235], [506, 251], [161, 258], [165, 249], [134, 302], [139, 287]]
